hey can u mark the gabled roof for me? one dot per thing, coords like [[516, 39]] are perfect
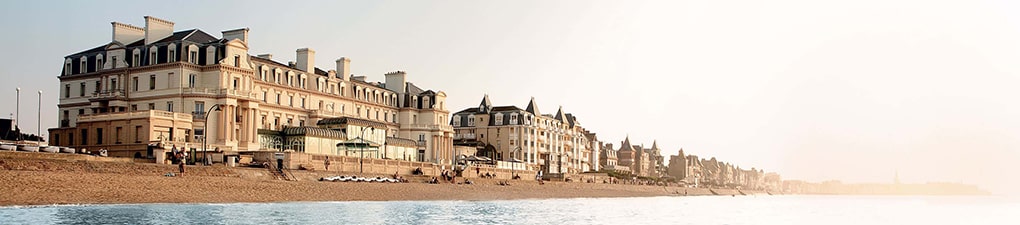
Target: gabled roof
[[532, 107], [626, 145]]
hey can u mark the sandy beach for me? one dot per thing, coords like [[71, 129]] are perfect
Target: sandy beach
[[35, 179]]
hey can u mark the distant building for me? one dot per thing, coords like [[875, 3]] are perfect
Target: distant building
[[554, 143]]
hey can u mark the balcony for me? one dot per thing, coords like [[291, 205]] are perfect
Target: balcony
[[134, 115], [108, 95], [221, 92], [466, 136]]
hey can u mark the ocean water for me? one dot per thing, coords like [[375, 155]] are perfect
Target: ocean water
[[653, 210]]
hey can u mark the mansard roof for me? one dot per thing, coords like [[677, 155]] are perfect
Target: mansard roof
[[192, 35]]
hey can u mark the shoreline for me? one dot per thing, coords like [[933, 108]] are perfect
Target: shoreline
[[39, 179]]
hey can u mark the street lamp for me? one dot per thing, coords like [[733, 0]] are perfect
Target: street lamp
[[362, 137], [205, 132], [17, 112], [38, 125]]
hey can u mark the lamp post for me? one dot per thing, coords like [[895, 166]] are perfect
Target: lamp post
[[361, 162], [17, 113], [38, 125], [205, 132]]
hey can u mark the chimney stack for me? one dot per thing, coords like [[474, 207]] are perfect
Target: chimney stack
[[240, 34], [156, 29], [127, 34], [343, 68], [306, 60], [396, 81]]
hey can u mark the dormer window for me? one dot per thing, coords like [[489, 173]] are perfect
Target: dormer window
[[513, 118], [114, 64], [237, 61], [172, 56], [152, 58], [499, 119], [99, 62], [471, 121], [135, 59], [456, 120], [67, 67], [83, 68], [193, 57]]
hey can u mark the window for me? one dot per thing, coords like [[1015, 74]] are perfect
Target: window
[[113, 84], [152, 58], [81, 89], [236, 81], [302, 102], [456, 120], [138, 134], [135, 60], [278, 98], [265, 96], [134, 107], [290, 100], [471, 121], [193, 57], [262, 75], [152, 82], [99, 62], [114, 59], [289, 82], [170, 106], [99, 136], [172, 55], [237, 61], [67, 90], [301, 123], [67, 68], [116, 135], [81, 112], [191, 80], [83, 68], [513, 118], [152, 106], [134, 83], [98, 84], [199, 107], [414, 119], [499, 118], [84, 136]]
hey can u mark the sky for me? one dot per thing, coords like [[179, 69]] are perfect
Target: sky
[[856, 91]]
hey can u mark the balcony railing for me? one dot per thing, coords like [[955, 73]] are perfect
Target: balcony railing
[[116, 93], [469, 136], [427, 126]]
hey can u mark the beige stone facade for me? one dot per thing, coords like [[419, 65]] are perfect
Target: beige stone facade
[[156, 69], [555, 143]]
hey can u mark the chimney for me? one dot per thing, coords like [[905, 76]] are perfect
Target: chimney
[[396, 81], [266, 56], [240, 34], [306, 60], [127, 34], [156, 29], [343, 68]]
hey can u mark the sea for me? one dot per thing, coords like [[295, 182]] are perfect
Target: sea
[[761, 209]]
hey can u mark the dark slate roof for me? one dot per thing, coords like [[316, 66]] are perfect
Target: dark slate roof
[[533, 107], [192, 35], [269, 61], [412, 89], [468, 110], [321, 72], [506, 108]]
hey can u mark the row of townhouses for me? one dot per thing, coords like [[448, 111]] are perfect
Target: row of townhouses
[[152, 87]]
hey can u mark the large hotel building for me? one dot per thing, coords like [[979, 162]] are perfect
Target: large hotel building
[[552, 143], [153, 84]]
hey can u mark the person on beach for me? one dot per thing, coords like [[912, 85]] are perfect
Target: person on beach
[[478, 171], [181, 167], [327, 163]]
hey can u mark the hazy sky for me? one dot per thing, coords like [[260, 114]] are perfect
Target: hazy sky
[[814, 90]]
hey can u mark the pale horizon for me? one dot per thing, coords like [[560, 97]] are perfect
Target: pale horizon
[[851, 91]]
